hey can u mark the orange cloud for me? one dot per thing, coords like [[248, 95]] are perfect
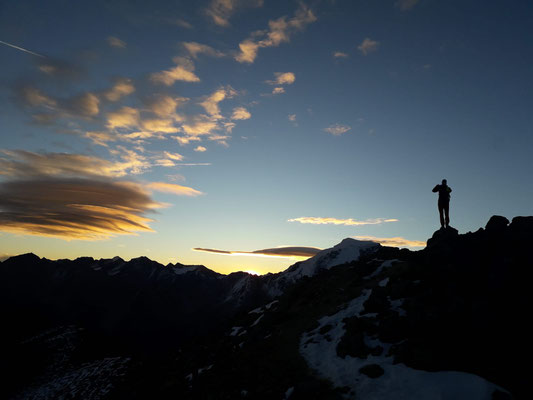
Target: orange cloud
[[368, 45], [280, 31], [182, 72], [121, 88], [336, 221], [172, 188], [116, 42], [393, 241], [284, 252], [85, 209]]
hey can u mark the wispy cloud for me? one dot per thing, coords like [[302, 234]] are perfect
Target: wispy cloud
[[220, 11], [368, 46], [340, 54], [173, 188], [337, 129], [284, 252], [182, 72], [85, 105], [200, 149], [114, 41], [278, 90], [194, 49], [337, 221], [240, 113], [125, 117], [405, 5], [393, 241], [121, 88], [283, 78], [22, 49], [292, 117], [181, 23], [25, 164], [210, 104], [74, 208], [279, 31]]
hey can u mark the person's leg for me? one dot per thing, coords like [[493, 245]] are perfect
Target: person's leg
[[441, 214], [447, 213]]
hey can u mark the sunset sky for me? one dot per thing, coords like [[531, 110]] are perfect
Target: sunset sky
[[247, 134]]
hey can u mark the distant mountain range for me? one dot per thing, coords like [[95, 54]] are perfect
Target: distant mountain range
[[358, 320]]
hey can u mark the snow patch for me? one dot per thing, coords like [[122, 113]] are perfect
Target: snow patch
[[384, 264], [398, 382], [288, 393], [346, 251], [184, 269], [235, 330], [257, 321]]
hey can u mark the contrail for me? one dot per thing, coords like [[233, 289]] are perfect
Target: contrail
[[21, 49]]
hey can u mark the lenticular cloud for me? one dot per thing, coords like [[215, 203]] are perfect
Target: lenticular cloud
[[85, 209]]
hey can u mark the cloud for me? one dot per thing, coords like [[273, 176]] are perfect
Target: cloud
[[210, 104], [220, 11], [368, 46], [279, 31], [173, 156], [83, 209], [248, 51], [121, 88], [183, 140], [393, 241], [339, 54], [182, 72], [199, 125], [172, 188], [158, 125], [34, 97], [101, 138], [278, 90], [25, 164], [194, 48], [116, 42], [86, 104], [200, 149], [165, 106], [337, 129], [181, 23], [59, 68], [125, 117], [405, 5], [336, 221], [284, 252], [283, 78], [292, 117], [240, 113]]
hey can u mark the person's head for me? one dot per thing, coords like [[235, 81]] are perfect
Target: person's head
[[444, 182]]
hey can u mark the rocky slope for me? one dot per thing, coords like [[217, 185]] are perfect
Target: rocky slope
[[356, 321]]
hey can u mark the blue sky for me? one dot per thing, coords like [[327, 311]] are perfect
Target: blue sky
[[155, 128]]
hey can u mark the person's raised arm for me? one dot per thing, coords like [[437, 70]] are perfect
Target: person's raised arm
[[436, 188]]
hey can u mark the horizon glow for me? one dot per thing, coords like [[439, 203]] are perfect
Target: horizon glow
[[180, 126]]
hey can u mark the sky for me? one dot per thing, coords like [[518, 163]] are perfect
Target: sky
[[249, 134]]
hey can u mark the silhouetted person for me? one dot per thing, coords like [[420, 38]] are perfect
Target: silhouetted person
[[444, 203]]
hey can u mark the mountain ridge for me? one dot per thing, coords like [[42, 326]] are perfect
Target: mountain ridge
[[453, 306]]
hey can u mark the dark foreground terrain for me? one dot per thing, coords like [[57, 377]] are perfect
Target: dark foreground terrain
[[450, 320]]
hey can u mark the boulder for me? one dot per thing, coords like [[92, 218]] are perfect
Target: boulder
[[496, 224]]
